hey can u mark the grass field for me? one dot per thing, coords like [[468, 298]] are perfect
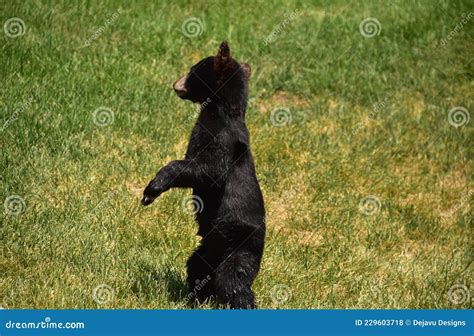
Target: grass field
[[361, 150]]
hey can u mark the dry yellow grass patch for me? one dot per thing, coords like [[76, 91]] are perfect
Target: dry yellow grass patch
[[414, 105], [179, 149], [283, 99], [135, 188], [291, 201], [455, 184], [457, 179], [325, 125]]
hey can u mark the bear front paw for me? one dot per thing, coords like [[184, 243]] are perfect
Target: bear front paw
[[146, 200], [152, 191]]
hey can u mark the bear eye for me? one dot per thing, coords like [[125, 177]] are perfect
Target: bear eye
[[195, 66]]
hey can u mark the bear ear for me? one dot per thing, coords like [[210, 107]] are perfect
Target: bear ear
[[224, 51], [247, 70], [223, 60]]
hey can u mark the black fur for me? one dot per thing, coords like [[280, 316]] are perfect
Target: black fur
[[220, 169]]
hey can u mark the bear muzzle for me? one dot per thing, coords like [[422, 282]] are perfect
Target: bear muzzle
[[179, 86]]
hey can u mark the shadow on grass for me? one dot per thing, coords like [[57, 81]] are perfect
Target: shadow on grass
[[151, 282]]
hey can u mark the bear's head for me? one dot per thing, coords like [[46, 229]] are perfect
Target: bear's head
[[214, 78]]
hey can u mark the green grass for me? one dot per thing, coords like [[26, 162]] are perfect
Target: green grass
[[83, 225]]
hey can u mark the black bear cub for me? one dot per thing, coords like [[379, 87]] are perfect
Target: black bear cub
[[220, 169]]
